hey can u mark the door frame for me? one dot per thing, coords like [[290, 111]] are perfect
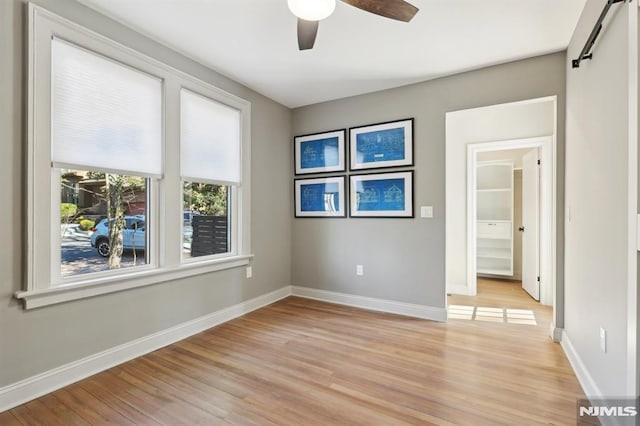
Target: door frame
[[548, 210]]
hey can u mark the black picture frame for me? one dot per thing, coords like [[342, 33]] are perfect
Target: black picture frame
[[382, 145], [382, 195], [310, 202], [323, 152]]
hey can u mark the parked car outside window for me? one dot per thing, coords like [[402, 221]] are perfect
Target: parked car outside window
[[133, 235]]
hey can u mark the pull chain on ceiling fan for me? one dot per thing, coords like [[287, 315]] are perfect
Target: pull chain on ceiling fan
[[311, 12]]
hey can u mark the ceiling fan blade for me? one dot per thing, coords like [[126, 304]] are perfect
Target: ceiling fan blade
[[399, 10], [307, 31]]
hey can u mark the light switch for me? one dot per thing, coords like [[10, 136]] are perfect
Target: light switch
[[426, 211]]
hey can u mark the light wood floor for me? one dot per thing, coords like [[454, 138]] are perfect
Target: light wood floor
[[304, 362], [504, 294]]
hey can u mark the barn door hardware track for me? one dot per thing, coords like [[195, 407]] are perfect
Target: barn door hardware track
[[586, 50]]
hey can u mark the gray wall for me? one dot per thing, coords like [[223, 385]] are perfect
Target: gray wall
[[597, 232], [35, 341], [404, 259]]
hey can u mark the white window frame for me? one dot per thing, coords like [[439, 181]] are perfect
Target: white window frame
[[43, 287]]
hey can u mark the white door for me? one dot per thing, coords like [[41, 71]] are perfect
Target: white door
[[530, 223]]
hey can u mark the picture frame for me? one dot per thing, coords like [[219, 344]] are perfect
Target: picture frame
[[381, 145], [320, 197], [320, 152], [382, 195]]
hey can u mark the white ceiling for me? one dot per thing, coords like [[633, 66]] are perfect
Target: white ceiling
[[254, 41]]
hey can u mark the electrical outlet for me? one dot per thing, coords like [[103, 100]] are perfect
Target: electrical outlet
[[359, 270], [249, 272], [603, 339]]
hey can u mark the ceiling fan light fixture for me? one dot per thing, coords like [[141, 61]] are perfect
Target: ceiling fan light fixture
[[312, 10]]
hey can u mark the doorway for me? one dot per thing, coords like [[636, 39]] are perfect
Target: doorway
[[511, 125], [507, 216], [490, 214]]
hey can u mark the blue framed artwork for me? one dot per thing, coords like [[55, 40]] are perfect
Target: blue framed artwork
[[382, 195], [320, 152], [320, 197], [381, 145]]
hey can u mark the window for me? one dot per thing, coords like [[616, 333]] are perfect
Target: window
[[206, 229], [137, 173], [89, 202], [106, 146], [210, 171]]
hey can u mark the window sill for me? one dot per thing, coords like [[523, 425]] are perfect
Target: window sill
[[51, 296]]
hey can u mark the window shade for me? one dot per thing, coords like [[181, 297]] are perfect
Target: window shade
[[105, 115], [210, 140]]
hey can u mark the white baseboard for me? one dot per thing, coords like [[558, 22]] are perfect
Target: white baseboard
[[408, 309], [44, 383], [586, 381], [555, 333], [589, 385]]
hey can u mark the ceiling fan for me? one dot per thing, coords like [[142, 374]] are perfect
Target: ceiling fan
[[311, 12]]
